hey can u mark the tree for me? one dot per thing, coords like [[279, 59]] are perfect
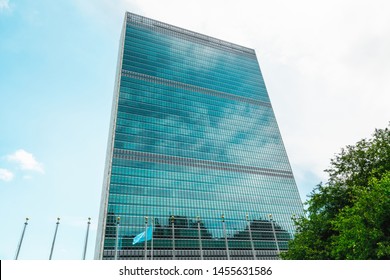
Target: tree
[[349, 216], [364, 228]]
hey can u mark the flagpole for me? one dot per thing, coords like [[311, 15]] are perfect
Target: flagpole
[[21, 239], [54, 238], [250, 237], [200, 238], [224, 233], [151, 243], [118, 219], [86, 239], [146, 238], [173, 238], [273, 230]]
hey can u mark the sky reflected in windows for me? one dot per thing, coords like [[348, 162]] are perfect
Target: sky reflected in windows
[[195, 135]]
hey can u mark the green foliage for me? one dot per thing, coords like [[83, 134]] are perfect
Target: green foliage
[[349, 217], [355, 165], [364, 228]]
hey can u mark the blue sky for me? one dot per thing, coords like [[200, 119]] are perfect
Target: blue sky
[[326, 66]]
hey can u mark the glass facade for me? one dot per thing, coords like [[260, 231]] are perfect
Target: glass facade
[[193, 145]]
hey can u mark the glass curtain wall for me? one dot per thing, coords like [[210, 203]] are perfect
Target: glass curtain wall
[[194, 146]]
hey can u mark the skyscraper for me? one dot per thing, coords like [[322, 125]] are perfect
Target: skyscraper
[[194, 146]]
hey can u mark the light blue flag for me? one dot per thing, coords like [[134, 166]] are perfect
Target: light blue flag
[[141, 237]]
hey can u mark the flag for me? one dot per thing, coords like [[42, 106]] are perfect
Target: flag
[[141, 237]]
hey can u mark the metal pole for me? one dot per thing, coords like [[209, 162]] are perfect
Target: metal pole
[[224, 233], [151, 243], [273, 230], [146, 238], [173, 238], [21, 239], [118, 219], [250, 237], [86, 239], [200, 238], [54, 239]]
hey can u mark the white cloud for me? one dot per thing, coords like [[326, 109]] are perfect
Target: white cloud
[[4, 5], [26, 161], [6, 175]]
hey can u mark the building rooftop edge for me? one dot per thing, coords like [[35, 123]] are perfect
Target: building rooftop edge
[[148, 21]]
